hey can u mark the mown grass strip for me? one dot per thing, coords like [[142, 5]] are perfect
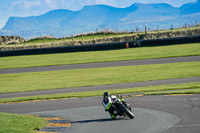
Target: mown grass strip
[[100, 56], [195, 86], [185, 91], [96, 76], [15, 123]]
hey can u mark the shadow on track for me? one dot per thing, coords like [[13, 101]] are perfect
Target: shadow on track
[[100, 120]]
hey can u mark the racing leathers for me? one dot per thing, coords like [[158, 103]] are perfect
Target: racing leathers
[[107, 103]]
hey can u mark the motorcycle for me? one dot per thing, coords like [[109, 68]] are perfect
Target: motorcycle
[[122, 109]]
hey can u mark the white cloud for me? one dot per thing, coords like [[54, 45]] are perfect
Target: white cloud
[[52, 3], [24, 5]]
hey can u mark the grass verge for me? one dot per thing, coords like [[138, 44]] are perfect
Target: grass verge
[[186, 88], [15, 123], [100, 56], [96, 76], [189, 91]]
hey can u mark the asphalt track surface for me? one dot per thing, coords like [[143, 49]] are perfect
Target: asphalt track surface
[[95, 120], [153, 114], [101, 65]]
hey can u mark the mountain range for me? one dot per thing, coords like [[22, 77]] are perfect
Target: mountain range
[[90, 18]]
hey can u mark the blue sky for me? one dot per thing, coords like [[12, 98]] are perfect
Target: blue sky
[[24, 8]]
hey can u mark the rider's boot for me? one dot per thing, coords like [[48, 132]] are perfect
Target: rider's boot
[[113, 116]]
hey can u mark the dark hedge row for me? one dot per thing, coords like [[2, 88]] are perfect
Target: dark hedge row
[[106, 46]]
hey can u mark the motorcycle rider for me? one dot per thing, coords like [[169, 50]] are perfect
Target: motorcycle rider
[[107, 103]]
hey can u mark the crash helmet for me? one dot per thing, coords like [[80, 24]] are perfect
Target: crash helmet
[[106, 94], [119, 96]]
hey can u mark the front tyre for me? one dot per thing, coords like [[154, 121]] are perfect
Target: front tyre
[[127, 112]]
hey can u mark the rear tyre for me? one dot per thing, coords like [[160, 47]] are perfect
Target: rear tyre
[[127, 112]]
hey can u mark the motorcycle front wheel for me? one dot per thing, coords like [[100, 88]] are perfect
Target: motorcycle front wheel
[[127, 112]]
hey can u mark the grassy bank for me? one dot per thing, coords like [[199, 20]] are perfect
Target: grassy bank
[[100, 56], [15, 123], [186, 88], [96, 76], [94, 36], [83, 37]]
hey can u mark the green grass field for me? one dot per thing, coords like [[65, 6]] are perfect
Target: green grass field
[[186, 88], [100, 56], [96, 76], [15, 123]]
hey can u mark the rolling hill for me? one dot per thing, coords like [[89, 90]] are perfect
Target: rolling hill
[[65, 22]]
